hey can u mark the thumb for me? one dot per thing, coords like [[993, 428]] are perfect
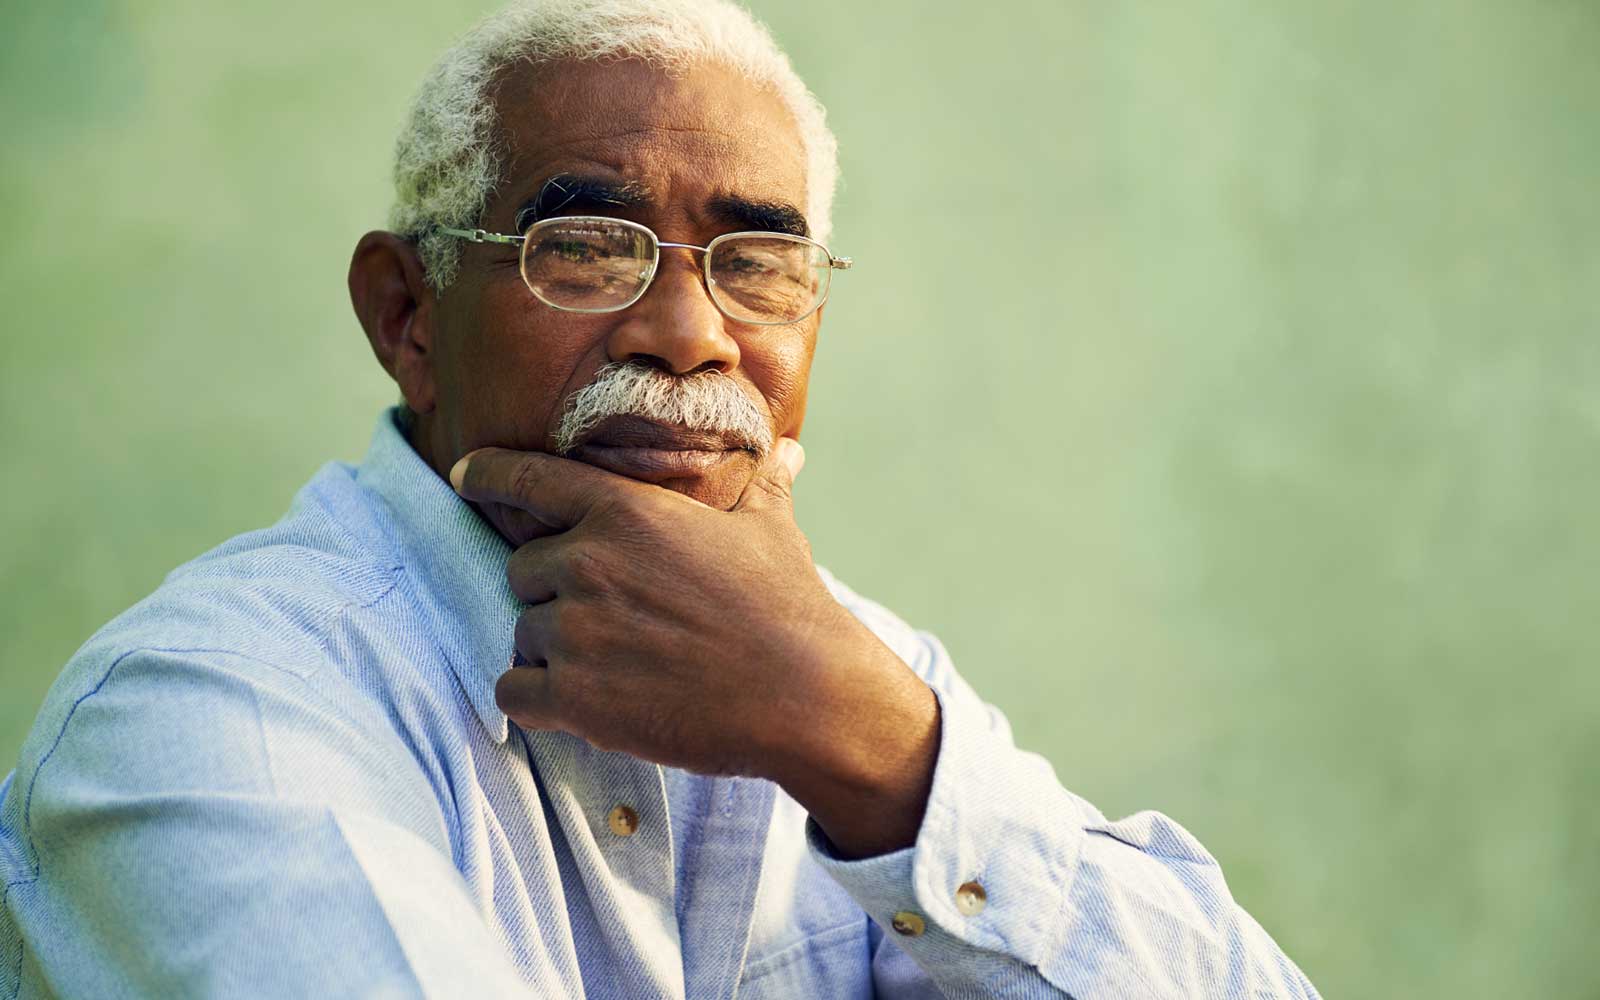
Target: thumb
[[774, 481]]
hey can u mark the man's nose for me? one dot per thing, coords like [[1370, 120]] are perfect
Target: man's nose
[[675, 326]]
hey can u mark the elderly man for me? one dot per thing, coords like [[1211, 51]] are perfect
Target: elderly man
[[546, 696]]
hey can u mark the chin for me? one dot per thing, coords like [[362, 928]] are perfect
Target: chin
[[714, 478]]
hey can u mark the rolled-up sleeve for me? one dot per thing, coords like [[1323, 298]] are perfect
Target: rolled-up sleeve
[[1015, 887], [204, 825]]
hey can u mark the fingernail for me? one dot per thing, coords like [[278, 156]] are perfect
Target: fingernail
[[794, 456], [458, 473]]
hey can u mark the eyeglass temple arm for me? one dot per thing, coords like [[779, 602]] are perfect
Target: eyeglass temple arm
[[482, 236]]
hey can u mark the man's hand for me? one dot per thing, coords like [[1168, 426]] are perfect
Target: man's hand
[[705, 639]]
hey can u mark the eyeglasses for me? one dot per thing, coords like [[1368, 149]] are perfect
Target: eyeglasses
[[597, 264]]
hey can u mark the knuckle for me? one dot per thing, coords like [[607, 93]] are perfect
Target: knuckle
[[518, 565], [566, 626], [653, 517], [627, 507], [521, 526], [525, 477], [587, 568], [569, 690], [639, 522], [608, 512], [771, 488]]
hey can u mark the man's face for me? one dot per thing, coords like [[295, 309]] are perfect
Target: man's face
[[691, 158]]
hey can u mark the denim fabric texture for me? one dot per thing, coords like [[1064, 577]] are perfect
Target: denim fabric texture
[[284, 774]]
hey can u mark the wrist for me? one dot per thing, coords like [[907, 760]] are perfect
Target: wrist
[[860, 757]]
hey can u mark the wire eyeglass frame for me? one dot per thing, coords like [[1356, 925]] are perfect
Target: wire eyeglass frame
[[657, 245]]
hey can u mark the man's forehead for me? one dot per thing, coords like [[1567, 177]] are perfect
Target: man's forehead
[[701, 133]]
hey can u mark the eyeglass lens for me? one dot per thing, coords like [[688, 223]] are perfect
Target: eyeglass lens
[[584, 265], [599, 265]]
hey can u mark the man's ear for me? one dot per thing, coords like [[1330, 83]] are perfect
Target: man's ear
[[395, 305]]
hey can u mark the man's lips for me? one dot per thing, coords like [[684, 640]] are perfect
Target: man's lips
[[645, 450], [637, 432]]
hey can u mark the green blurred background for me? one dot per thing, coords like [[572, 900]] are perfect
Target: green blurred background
[[1219, 379]]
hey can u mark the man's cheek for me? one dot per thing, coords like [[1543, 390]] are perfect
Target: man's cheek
[[785, 392]]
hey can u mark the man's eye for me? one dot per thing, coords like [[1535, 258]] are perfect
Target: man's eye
[[576, 251], [749, 265]]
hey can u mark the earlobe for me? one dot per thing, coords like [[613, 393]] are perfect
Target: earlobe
[[394, 303]]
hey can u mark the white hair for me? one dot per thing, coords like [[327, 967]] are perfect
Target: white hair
[[703, 401], [445, 161]]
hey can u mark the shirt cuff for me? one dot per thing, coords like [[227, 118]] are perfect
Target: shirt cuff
[[995, 856]]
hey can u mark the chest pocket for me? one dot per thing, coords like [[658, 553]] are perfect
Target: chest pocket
[[808, 937], [832, 963]]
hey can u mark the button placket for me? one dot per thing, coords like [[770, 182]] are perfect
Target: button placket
[[634, 887]]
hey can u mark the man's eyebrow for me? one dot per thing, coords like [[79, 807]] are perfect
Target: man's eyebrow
[[766, 216], [564, 194]]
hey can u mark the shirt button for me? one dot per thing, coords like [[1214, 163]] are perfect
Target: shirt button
[[971, 899], [624, 821], [907, 923]]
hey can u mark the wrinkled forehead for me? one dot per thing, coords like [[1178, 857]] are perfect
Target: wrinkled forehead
[[684, 137]]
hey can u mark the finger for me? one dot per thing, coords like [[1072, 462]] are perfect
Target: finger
[[559, 491], [534, 632], [527, 696], [516, 525], [773, 483], [793, 457], [532, 568]]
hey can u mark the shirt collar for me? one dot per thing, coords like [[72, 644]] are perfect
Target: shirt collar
[[457, 561]]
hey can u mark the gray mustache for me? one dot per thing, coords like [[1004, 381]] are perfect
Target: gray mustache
[[705, 401]]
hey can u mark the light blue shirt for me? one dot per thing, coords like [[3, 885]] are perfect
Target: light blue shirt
[[284, 774]]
